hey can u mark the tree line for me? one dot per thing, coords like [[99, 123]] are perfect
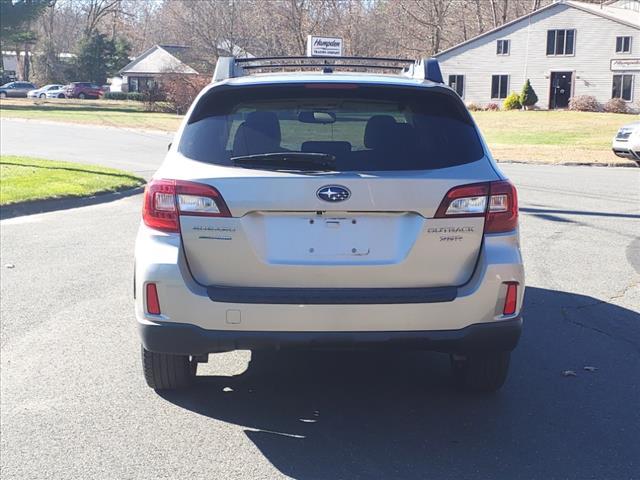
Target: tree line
[[90, 40]]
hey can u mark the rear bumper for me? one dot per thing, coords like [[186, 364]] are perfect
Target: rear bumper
[[242, 317], [184, 339]]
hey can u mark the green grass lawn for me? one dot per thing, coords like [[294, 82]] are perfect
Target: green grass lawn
[[552, 136], [26, 178], [112, 113], [538, 136]]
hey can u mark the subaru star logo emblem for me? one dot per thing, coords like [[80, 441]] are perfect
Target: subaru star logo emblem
[[333, 193]]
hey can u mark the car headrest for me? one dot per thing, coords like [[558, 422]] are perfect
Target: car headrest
[[266, 123], [377, 130], [259, 133]]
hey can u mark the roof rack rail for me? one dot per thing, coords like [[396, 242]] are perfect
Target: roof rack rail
[[232, 67]]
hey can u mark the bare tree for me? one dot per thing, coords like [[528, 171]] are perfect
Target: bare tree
[[98, 10], [407, 28], [479, 16]]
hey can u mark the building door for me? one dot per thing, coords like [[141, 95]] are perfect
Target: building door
[[560, 89]]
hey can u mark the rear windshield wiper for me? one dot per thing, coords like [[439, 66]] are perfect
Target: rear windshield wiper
[[287, 160]]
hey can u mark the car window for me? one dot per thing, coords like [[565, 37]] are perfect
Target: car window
[[365, 128]]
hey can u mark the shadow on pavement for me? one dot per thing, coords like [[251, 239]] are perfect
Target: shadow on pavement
[[54, 204], [547, 211], [326, 415]]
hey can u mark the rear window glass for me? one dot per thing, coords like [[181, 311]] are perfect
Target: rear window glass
[[364, 128]]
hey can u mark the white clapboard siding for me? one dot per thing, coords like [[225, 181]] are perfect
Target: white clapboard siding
[[594, 49]]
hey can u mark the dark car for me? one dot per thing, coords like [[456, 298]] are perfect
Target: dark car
[[83, 90], [16, 89]]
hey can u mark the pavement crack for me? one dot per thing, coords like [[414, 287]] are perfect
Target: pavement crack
[[565, 309], [624, 291]]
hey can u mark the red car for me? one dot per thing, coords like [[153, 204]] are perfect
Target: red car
[[83, 90]]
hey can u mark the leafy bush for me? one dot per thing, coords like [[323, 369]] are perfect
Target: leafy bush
[[115, 96], [616, 105], [181, 90], [474, 107], [512, 102], [136, 96], [584, 103], [528, 97], [492, 107]]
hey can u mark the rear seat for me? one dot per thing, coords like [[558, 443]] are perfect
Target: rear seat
[[386, 141]]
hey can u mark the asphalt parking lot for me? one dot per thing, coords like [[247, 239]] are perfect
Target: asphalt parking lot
[[74, 403]]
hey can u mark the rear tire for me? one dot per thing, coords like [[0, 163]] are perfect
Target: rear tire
[[3, 95], [481, 371], [42, 95], [164, 371], [61, 95], [82, 96]]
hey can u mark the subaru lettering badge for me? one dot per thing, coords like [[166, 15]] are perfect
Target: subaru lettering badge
[[333, 193]]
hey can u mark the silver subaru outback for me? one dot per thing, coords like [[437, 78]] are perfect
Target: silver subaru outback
[[314, 203]]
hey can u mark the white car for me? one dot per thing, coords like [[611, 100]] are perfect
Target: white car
[[626, 143], [57, 92], [43, 91], [328, 209]]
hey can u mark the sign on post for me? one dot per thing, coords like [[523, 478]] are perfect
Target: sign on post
[[324, 46]]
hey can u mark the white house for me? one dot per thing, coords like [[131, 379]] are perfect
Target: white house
[[567, 48], [143, 72]]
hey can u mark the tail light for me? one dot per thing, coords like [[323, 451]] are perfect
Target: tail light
[[502, 214], [153, 303], [166, 200], [496, 201], [511, 300]]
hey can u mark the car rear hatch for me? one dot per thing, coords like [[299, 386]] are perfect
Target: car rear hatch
[[385, 211]]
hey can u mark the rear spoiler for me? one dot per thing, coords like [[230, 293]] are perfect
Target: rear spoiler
[[423, 69]]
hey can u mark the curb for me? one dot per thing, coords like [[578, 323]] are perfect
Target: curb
[[630, 164], [33, 207]]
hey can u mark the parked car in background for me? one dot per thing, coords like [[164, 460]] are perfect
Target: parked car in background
[[16, 89], [42, 91], [57, 92], [626, 143], [83, 90]]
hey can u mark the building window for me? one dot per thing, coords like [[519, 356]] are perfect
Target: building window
[[133, 84], [141, 84], [560, 42], [622, 87], [623, 44], [457, 83], [499, 86], [502, 47]]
